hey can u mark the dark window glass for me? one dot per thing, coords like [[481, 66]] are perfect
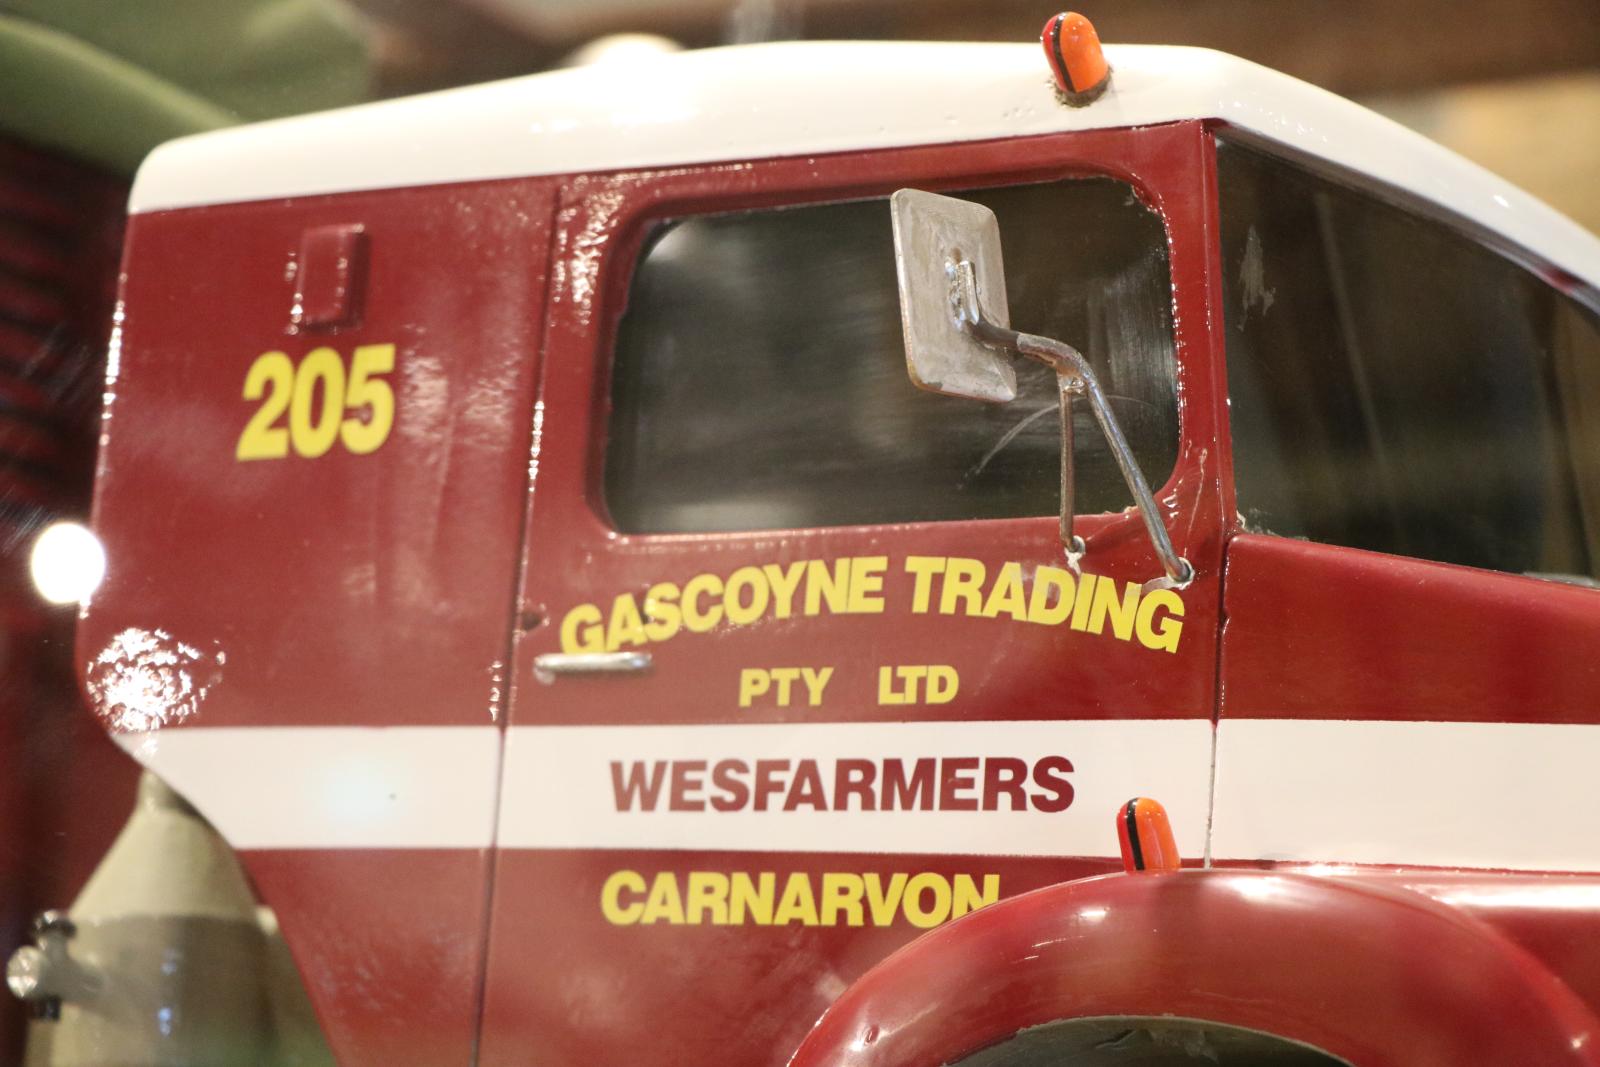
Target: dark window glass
[[1398, 386], [760, 377]]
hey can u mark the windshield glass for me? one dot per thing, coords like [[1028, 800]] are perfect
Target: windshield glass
[[760, 377], [1398, 386]]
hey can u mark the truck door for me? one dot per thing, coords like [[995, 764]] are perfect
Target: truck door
[[803, 670], [310, 494], [1413, 625]]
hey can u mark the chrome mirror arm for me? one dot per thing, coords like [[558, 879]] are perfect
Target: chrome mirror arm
[[1074, 375]]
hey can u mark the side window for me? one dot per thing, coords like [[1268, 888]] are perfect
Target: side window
[[759, 379], [1397, 386]]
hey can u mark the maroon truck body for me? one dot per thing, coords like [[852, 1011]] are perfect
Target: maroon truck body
[[413, 587]]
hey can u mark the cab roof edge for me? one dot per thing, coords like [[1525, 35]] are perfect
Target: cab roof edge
[[678, 110]]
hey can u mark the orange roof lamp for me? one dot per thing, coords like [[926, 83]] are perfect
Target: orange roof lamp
[[1076, 59], [1145, 834]]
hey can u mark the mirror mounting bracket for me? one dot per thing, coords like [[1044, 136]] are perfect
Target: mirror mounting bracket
[[1074, 377]]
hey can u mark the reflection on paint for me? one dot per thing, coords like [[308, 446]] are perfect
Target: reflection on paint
[[1548, 896], [588, 246], [1265, 887], [146, 679]]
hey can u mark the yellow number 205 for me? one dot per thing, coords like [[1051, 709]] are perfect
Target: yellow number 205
[[314, 427]]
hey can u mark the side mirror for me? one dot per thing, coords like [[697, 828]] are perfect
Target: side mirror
[[959, 342], [933, 237]]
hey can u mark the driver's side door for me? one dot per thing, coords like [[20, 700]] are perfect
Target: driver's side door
[[853, 689]]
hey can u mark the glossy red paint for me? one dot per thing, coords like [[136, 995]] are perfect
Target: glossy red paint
[[389, 945], [383, 594], [330, 276], [1550, 915], [394, 589], [568, 988], [1379, 977], [595, 993], [348, 589], [1313, 632], [574, 556], [1319, 632]]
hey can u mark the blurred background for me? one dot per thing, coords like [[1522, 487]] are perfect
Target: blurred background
[[87, 87]]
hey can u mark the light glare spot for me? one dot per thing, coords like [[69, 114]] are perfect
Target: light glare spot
[[1259, 888], [68, 563], [145, 680]]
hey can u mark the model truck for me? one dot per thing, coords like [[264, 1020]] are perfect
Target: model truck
[[527, 550]]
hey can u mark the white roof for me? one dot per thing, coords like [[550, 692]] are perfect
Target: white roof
[[792, 99]]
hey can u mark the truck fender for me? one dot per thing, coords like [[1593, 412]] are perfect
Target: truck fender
[[1376, 976]]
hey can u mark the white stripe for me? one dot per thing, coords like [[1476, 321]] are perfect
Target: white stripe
[[333, 786], [1510, 795], [795, 99], [1487, 795], [559, 786]]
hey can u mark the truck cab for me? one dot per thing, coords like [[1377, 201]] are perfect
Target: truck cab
[[526, 549]]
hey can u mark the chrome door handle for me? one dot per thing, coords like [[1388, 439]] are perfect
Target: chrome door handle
[[550, 664]]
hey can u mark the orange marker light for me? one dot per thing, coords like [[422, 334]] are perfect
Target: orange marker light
[[1145, 834], [1076, 60]]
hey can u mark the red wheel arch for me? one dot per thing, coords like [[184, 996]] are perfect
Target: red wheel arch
[[1379, 977]]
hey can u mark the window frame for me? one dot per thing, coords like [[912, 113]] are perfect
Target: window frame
[[571, 556], [649, 200], [1563, 285], [655, 226]]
